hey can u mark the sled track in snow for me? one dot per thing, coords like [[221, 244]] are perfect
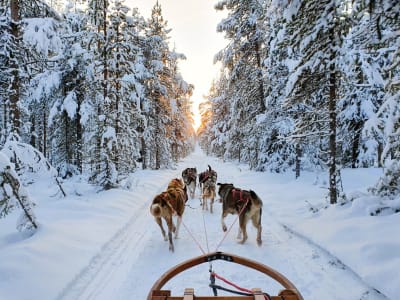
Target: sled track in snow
[[330, 260], [118, 253], [92, 279]]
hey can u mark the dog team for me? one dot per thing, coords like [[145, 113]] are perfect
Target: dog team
[[244, 203]]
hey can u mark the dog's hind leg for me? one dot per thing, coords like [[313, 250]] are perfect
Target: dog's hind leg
[[256, 219], [171, 243], [159, 222], [178, 225], [239, 235], [171, 228], [242, 226]]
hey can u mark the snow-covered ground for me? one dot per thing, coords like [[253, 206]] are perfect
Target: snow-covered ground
[[106, 245]]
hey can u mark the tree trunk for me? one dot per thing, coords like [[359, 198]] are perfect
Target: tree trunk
[[44, 140], [143, 153], [298, 160], [67, 141], [356, 145], [15, 84], [260, 78], [79, 139], [332, 124]]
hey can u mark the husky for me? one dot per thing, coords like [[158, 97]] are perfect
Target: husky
[[166, 205], [189, 176], [244, 203]]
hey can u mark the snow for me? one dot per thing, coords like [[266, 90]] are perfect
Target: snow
[[39, 33], [105, 244]]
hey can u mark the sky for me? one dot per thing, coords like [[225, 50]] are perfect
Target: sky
[[193, 24], [101, 245]]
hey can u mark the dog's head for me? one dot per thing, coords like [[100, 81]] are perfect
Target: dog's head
[[176, 183], [223, 189]]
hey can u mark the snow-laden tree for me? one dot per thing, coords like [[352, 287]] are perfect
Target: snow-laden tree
[[6, 47], [121, 107], [314, 35], [102, 136], [182, 135], [277, 150], [216, 138], [69, 114], [386, 18], [30, 39], [13, 195], [242, 59], [160, 62], [11, 57]]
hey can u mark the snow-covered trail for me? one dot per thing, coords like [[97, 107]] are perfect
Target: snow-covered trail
[[136, 256]]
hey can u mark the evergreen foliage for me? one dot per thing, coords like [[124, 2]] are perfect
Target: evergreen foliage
[[330, 80], [99, 89]]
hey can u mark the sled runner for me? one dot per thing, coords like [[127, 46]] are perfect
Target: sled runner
[[289, 292]]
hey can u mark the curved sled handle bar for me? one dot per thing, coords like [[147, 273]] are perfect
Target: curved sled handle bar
[[227, 257]]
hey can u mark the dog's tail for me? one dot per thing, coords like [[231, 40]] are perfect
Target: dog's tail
[[155, 210], [256, 200]]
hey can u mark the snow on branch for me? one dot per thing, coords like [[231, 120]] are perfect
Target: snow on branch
[[13, 195], [28, 160]]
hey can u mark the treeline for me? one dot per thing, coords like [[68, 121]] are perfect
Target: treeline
[[308, 85], [95, 88]]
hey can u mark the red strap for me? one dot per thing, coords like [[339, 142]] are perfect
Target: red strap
[[236, 286]]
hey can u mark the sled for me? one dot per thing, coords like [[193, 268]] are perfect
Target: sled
[[289, 291]]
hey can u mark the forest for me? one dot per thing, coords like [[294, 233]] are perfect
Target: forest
[[308, 85], [94, 89]]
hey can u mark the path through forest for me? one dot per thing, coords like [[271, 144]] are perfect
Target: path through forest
[[130, 262]]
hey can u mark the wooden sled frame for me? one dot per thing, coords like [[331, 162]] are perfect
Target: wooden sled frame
[[289, 292]]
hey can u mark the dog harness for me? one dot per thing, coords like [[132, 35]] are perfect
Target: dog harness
[[241, 198]]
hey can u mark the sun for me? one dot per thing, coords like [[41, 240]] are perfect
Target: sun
[[196, 116]]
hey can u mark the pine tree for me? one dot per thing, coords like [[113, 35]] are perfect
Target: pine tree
[[277, 149], [388, 40], [242, 59], [157, 58], [315, 36]]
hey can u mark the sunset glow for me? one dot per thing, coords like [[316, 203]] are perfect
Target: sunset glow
[[193, 26]]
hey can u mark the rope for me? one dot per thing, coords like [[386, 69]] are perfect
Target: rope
[[187, 229], [194, 239], [205, 231], [233, 223]]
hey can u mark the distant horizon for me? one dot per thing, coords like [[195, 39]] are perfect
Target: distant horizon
[[193, 32]]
